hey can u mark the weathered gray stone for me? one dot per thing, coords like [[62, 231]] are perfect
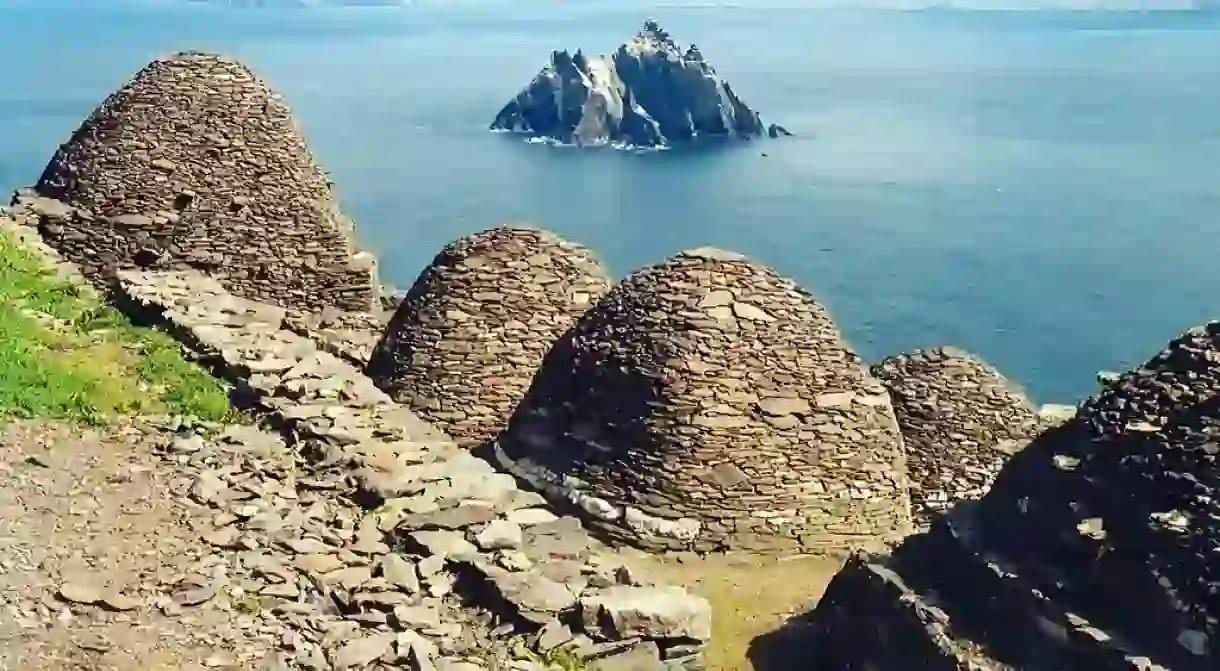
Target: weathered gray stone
[[961, 420], [500, 535], [464, 343], [638, 657], [445, 543], [196, 163], [648, 612], [676, 427], [400, 573], [363, 651], [535, 597]]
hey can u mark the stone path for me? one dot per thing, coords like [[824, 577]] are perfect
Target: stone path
[[381, 526], [100, 557]]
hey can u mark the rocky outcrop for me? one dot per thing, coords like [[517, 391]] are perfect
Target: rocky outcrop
[[961, 421], [1098, 547], [706, 403], [649, 93], [465, 342], [196, 163], [776, 130]]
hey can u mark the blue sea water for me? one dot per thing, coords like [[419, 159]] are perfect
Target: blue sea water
[[1042, 188]]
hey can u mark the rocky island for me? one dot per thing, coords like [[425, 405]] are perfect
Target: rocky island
[[648, 93]]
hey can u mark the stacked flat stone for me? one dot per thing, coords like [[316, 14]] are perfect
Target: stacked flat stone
[[1145, 492], [465, 342], [961, 420], [196, 163], [1098, 547], [445, 512], [707, 403]]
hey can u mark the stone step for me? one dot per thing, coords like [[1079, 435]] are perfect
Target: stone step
[[1025, 615], [870, 619], [1086, 544]]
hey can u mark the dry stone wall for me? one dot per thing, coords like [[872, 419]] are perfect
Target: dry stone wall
[[707, 403], [1141, 462], [960, 420], [196, 163], [463, 529], [465, 342], [1097, 547]]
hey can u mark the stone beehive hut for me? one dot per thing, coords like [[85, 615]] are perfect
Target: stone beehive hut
[[960, 419], [1097, 547], [706, 403], [1140, 467], [197, 163], [464, 343]]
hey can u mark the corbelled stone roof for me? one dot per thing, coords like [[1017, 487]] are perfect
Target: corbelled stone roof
[[1098, 546], [1149, 447], [708, 403], [960, 420], [197, 163], [470, 334]]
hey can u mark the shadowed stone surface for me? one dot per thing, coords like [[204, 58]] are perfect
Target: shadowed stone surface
[[1097, 547], [960, 420], [649, 93], [197, 163], [707, 403], [465, 342]]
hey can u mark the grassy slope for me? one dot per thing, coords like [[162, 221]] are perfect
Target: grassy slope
[[66, 356]]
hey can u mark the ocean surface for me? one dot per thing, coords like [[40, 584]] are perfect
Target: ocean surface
[[1042, 188]]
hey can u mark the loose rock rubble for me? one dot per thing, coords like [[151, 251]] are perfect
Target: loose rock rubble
[[99, 543], [303, 554], [707, 403], [961, 421], [433, 522], [197, 163], [1098, 546], [470, 334]]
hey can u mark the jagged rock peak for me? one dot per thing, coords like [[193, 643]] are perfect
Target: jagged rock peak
[[653, 38], [648, 93]]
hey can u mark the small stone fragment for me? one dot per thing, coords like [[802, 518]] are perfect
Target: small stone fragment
[[400, 573], [500, 535], [121, 602], [647, 612], [317, 563], [79, 593], [362, 651]]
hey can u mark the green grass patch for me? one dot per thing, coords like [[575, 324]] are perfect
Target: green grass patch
[[64, 355]]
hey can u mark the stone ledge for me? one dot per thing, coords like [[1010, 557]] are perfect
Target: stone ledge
[[570, 489]]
